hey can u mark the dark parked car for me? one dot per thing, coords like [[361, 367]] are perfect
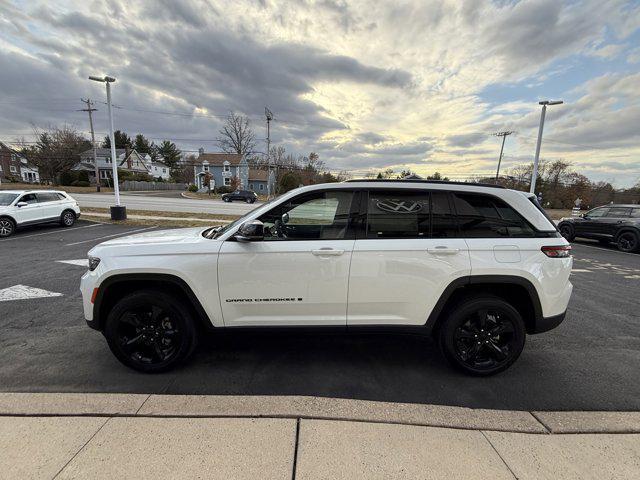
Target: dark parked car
[[609, 223], [243, 195]]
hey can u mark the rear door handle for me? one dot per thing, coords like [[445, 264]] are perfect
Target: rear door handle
[[327, 252], [442, 250]]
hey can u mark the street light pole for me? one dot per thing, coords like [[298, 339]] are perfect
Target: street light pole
[[534, 175], [118, 212]]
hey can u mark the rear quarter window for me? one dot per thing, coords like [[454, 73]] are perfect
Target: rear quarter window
[[483, 216]]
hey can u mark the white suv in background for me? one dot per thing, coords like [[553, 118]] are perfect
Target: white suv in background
[[477, 266], [19, 208]]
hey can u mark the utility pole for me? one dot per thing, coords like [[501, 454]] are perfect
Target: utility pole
[[504, 136], [93, 139], [534, 174], [269, 116]]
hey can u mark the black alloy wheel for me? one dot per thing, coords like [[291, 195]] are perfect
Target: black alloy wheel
[[567, 232], [483, 336], [68, 218], [7, 227], [150, 331], [628, 242]]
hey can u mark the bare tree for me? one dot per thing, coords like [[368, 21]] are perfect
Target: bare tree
[[56, 151], [236, 135]]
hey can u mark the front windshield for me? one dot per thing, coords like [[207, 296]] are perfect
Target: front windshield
[[7, 198], [217, 231]]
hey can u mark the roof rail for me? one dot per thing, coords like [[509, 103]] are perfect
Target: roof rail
[[415, 180]]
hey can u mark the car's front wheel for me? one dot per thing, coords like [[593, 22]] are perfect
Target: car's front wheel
[[482, 335], [226, 199], [628, 242], [7, 227], [567, 232], [150, 331], [68, 218]]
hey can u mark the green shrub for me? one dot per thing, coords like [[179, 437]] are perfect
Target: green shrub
[[193, 188], [224, 189], [79, 183], [83, 176]]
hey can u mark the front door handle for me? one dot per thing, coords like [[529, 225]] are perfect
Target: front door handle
[[442, 250], [327, 252]]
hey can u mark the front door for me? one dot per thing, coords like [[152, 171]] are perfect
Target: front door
[[32, 212], [299, 274], [591, 224], [407, 256]]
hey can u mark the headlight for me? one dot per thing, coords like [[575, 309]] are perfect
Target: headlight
[[93, 263]]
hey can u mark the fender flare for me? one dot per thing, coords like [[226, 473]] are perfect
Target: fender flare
[[485, 280], [163, 278]]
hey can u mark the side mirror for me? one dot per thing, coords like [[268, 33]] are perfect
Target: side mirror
[[250, 232], [285, 218], [21, 204]]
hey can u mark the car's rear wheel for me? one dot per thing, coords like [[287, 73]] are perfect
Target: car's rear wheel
[[567, 232], [7, 227], [68, 218], [482, 336], [628, 242], [248, 200], [150, 331]]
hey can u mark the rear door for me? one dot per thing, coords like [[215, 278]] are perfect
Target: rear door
[[50, 205], [615, 218], [405, 255]]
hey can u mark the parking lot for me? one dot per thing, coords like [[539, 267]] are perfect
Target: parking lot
[[591, 362]]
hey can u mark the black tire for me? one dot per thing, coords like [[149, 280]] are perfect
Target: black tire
[[68, 218], [150, 331], [7, 227], [482, 336], [248, 200], [628, 242], [226, 199], [252, 200], [567, 231]]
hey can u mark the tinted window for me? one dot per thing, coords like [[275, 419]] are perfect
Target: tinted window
[[443, 223], [482, 216], [597, 212], [29, 198], [61, 196], [398, 214], [47, 197], [618, 212], [7, 198], [314, 216]]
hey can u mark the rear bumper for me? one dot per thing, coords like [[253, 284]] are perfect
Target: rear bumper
[[544, 324]]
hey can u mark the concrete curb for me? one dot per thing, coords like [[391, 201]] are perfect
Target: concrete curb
[[116, 404]]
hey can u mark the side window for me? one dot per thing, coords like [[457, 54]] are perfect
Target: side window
[[398, 214], [635, 213], [443, 222], [61, 196], [482, 216], [618, 212], [313, 216], [29, 198], [47, 197], [597, 212]]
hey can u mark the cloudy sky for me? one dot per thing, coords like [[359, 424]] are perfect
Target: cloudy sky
[[367, 84]]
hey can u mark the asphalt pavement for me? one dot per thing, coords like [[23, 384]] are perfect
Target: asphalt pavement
[[590, 362], [164, 202]]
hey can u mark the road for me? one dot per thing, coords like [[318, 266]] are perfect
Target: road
[[590, 362], [165, 202]]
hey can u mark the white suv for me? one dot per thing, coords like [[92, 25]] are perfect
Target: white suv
[[19, 208], [477, 266]]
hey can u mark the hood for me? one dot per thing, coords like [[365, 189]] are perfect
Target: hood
[[178, 235]]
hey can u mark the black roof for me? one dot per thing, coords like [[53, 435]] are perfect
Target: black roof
[[440, 182]]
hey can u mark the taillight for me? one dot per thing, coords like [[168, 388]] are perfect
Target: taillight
[[557, 251]]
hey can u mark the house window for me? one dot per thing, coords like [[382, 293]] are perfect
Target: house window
[[226, 167], [206, 168], [13, 169], [227, 181], [164, 170], [108, 160], [261, 187]]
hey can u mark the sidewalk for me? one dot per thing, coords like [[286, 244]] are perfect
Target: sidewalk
[[230, 437]]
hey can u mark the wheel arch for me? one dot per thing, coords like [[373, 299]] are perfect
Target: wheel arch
[[115, 287], [626, 229], [515, 290], [5, 215]]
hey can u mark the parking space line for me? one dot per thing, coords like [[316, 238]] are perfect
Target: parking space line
[[123, 234], [20, 237]]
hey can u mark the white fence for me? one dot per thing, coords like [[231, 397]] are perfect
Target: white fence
[[131, 185]]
